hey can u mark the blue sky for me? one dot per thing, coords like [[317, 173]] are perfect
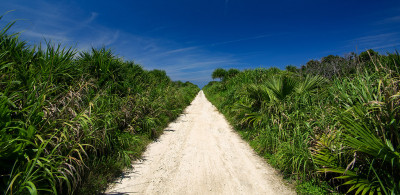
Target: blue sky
[[190, 38]]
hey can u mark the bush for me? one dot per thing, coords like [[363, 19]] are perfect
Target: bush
[[70, 122], [328, 125]]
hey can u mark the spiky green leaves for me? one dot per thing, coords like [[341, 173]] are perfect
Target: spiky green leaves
[[68, 122], [344, 130], [369, 157]]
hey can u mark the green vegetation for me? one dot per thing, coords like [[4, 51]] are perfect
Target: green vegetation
[[71, 121], [222, 74], [331, 125], [219, 73]]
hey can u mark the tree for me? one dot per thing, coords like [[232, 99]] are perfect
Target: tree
[[366, 56], [291, 68], [232, 72], [219, 73], [331, 59]]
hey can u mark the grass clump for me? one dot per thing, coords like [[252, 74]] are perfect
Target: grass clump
[[70, 121], [331, 125]]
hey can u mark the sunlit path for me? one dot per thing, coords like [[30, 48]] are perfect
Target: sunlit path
[[200, 154]]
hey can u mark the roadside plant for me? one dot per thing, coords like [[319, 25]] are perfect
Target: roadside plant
[[71, 121], [334, 122]]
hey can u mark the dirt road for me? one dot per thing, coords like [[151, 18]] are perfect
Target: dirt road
[[199, 153]]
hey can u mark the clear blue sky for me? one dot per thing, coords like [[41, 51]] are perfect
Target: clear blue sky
[[190, 38]]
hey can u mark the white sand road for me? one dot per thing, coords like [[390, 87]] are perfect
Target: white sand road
[[200, 153]]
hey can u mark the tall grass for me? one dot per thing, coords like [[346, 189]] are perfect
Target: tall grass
[[336, 127], [70, 121]]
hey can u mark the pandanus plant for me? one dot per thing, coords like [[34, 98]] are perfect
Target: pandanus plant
[[367, 155]]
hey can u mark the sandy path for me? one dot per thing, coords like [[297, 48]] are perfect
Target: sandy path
[[199, 153]]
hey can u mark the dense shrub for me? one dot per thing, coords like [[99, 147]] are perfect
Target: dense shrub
[[334, 122], [70, 121]]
